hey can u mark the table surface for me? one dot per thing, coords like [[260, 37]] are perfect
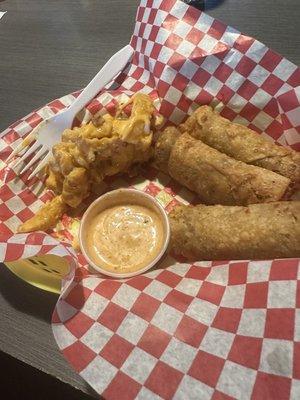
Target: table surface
[[50, 48]]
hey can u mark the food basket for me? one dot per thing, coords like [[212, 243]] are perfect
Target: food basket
[[203, 330]]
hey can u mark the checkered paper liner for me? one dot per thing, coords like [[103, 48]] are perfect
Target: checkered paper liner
[[208, 330]]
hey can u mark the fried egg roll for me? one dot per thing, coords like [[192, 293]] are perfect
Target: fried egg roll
[[242, 143], [163, 147], [219, 179], [259, 231]]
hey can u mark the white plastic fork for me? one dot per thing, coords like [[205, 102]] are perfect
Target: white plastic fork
[[49, 131]]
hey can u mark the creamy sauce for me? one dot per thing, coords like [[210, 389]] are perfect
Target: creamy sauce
[[125, 238]]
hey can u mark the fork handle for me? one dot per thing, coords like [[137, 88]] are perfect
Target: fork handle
[[113, 66]]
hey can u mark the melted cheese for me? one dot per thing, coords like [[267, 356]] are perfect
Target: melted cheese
[[87, 154]]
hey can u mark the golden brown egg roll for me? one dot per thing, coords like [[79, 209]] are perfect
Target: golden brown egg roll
[[242, 143], [259, 231], [219, 179], [163, 147]]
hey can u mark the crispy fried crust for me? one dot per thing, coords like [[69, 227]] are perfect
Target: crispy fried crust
[[259, 231], [163, 148], [219, 179], [242, 143], [47, 217], [75, 187]]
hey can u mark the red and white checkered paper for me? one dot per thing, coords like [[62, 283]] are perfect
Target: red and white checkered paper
[[211, 330]]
